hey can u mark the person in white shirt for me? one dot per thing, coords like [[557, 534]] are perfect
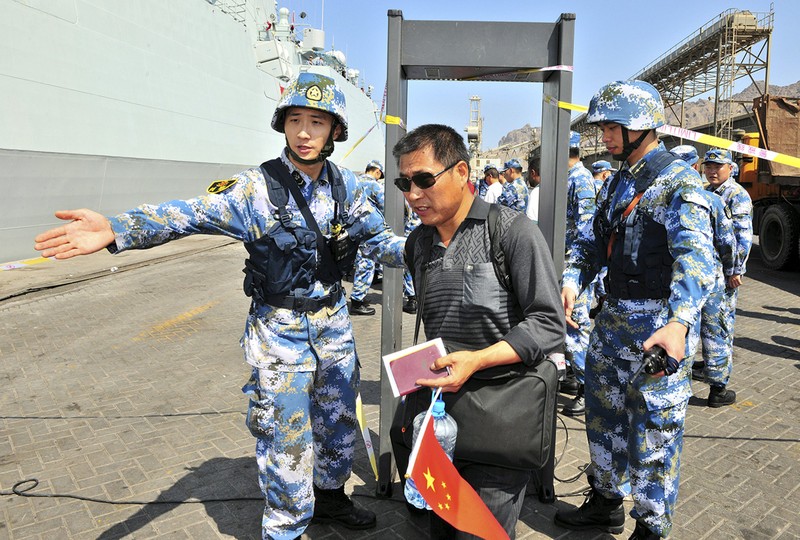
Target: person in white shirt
[[492, 177], [532, 210]]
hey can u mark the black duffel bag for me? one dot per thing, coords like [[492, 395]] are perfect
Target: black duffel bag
[[505, 417]]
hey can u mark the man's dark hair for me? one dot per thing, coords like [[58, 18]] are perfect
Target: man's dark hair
[[447, 144], [373, 168], [493, 173], [574, 152]]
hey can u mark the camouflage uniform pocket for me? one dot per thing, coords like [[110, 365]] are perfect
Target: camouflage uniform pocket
[[668, 391], [260, 412]]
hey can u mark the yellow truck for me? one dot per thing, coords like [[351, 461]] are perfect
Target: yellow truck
[[774, 187]]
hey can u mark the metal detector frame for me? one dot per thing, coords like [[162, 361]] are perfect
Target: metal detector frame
[[488, 51]]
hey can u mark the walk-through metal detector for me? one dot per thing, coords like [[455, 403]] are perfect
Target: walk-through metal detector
[[469, 51]]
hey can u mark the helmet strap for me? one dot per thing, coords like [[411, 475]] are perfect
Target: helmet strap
[[324, 154], [628, 147]]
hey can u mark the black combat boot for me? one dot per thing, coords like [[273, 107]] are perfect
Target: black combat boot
[[719, 397], [359, 307], [596, 512], [333, 506], [570, 384], [410, 305], [641, 532], [577, 406], [698, 371]]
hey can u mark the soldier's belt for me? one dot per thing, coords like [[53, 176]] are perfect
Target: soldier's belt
[[305, 305]]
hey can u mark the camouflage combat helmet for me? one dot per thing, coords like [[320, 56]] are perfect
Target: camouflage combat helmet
[[633, 104], [687, 153], [375, 164], [574, 139], [312, 91]]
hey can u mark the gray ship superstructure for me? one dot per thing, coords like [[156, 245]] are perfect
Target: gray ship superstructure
[[107, 104]]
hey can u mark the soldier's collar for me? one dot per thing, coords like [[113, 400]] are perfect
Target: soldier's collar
[[637, 168], [323, 176]]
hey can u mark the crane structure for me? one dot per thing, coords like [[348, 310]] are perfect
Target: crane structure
[[475, 127], [732, 45]]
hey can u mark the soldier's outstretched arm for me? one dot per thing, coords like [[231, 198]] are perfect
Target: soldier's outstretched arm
[[87, 232]]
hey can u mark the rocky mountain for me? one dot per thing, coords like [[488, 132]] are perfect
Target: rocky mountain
[[519, 136], [701, 112]]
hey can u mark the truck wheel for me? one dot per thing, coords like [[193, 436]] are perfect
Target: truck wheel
[[778, 236]]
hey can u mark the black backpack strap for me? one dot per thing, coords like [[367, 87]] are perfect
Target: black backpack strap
[[277, 169], [498, 255], [278, 194], [338, 191], [647, 174], [425, 235]]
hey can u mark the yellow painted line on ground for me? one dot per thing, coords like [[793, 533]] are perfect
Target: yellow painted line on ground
[[170, 324], [743, 405], [14, 265]]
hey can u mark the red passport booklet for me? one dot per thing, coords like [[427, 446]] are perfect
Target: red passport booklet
[[407, 366]]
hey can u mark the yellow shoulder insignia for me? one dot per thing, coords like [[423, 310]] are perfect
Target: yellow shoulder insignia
[[221, 185]]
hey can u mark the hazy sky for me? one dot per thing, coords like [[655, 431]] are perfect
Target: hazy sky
[[613, 40]]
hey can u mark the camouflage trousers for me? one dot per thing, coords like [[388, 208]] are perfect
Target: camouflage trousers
[[577, 339], [635, 427], [364, 274], [716, 334], [305, 427]]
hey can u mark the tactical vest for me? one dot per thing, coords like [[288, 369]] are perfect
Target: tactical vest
[[639, 262], [284, 263]]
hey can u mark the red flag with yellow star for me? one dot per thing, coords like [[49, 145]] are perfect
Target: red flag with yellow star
[[449, 495]]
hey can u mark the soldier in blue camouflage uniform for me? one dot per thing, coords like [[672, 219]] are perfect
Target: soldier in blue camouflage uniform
[[653, 231], [601, 170], [483, 184], [298, 337], [718, 316], [371, 183], [515, 189], [581, 194], [688, 153]]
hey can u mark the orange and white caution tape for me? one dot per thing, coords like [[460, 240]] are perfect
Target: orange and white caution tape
[[710, 140], [741, 148]]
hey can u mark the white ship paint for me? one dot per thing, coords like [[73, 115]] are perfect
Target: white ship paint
[[106, 104]]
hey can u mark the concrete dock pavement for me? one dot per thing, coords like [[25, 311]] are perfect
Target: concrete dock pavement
[[125, 386]]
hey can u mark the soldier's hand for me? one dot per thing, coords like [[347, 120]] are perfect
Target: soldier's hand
[[568, 296], [86, 232], [734, 281], [672, 338]]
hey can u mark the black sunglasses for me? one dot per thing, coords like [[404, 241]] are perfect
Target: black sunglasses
[[422, 180]]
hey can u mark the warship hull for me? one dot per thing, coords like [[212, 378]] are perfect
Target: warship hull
[[107, 105]]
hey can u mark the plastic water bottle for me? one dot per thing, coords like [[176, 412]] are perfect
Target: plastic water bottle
[[446, 431]]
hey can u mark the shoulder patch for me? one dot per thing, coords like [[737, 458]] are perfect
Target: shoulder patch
[[221, 185]]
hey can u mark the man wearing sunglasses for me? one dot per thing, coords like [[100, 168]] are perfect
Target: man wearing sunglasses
[[296, 216], [462, 300]]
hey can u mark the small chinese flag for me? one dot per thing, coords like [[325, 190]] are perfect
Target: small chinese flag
[[449, 495]]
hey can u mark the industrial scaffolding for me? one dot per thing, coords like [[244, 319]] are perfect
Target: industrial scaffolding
[[732, 45]]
